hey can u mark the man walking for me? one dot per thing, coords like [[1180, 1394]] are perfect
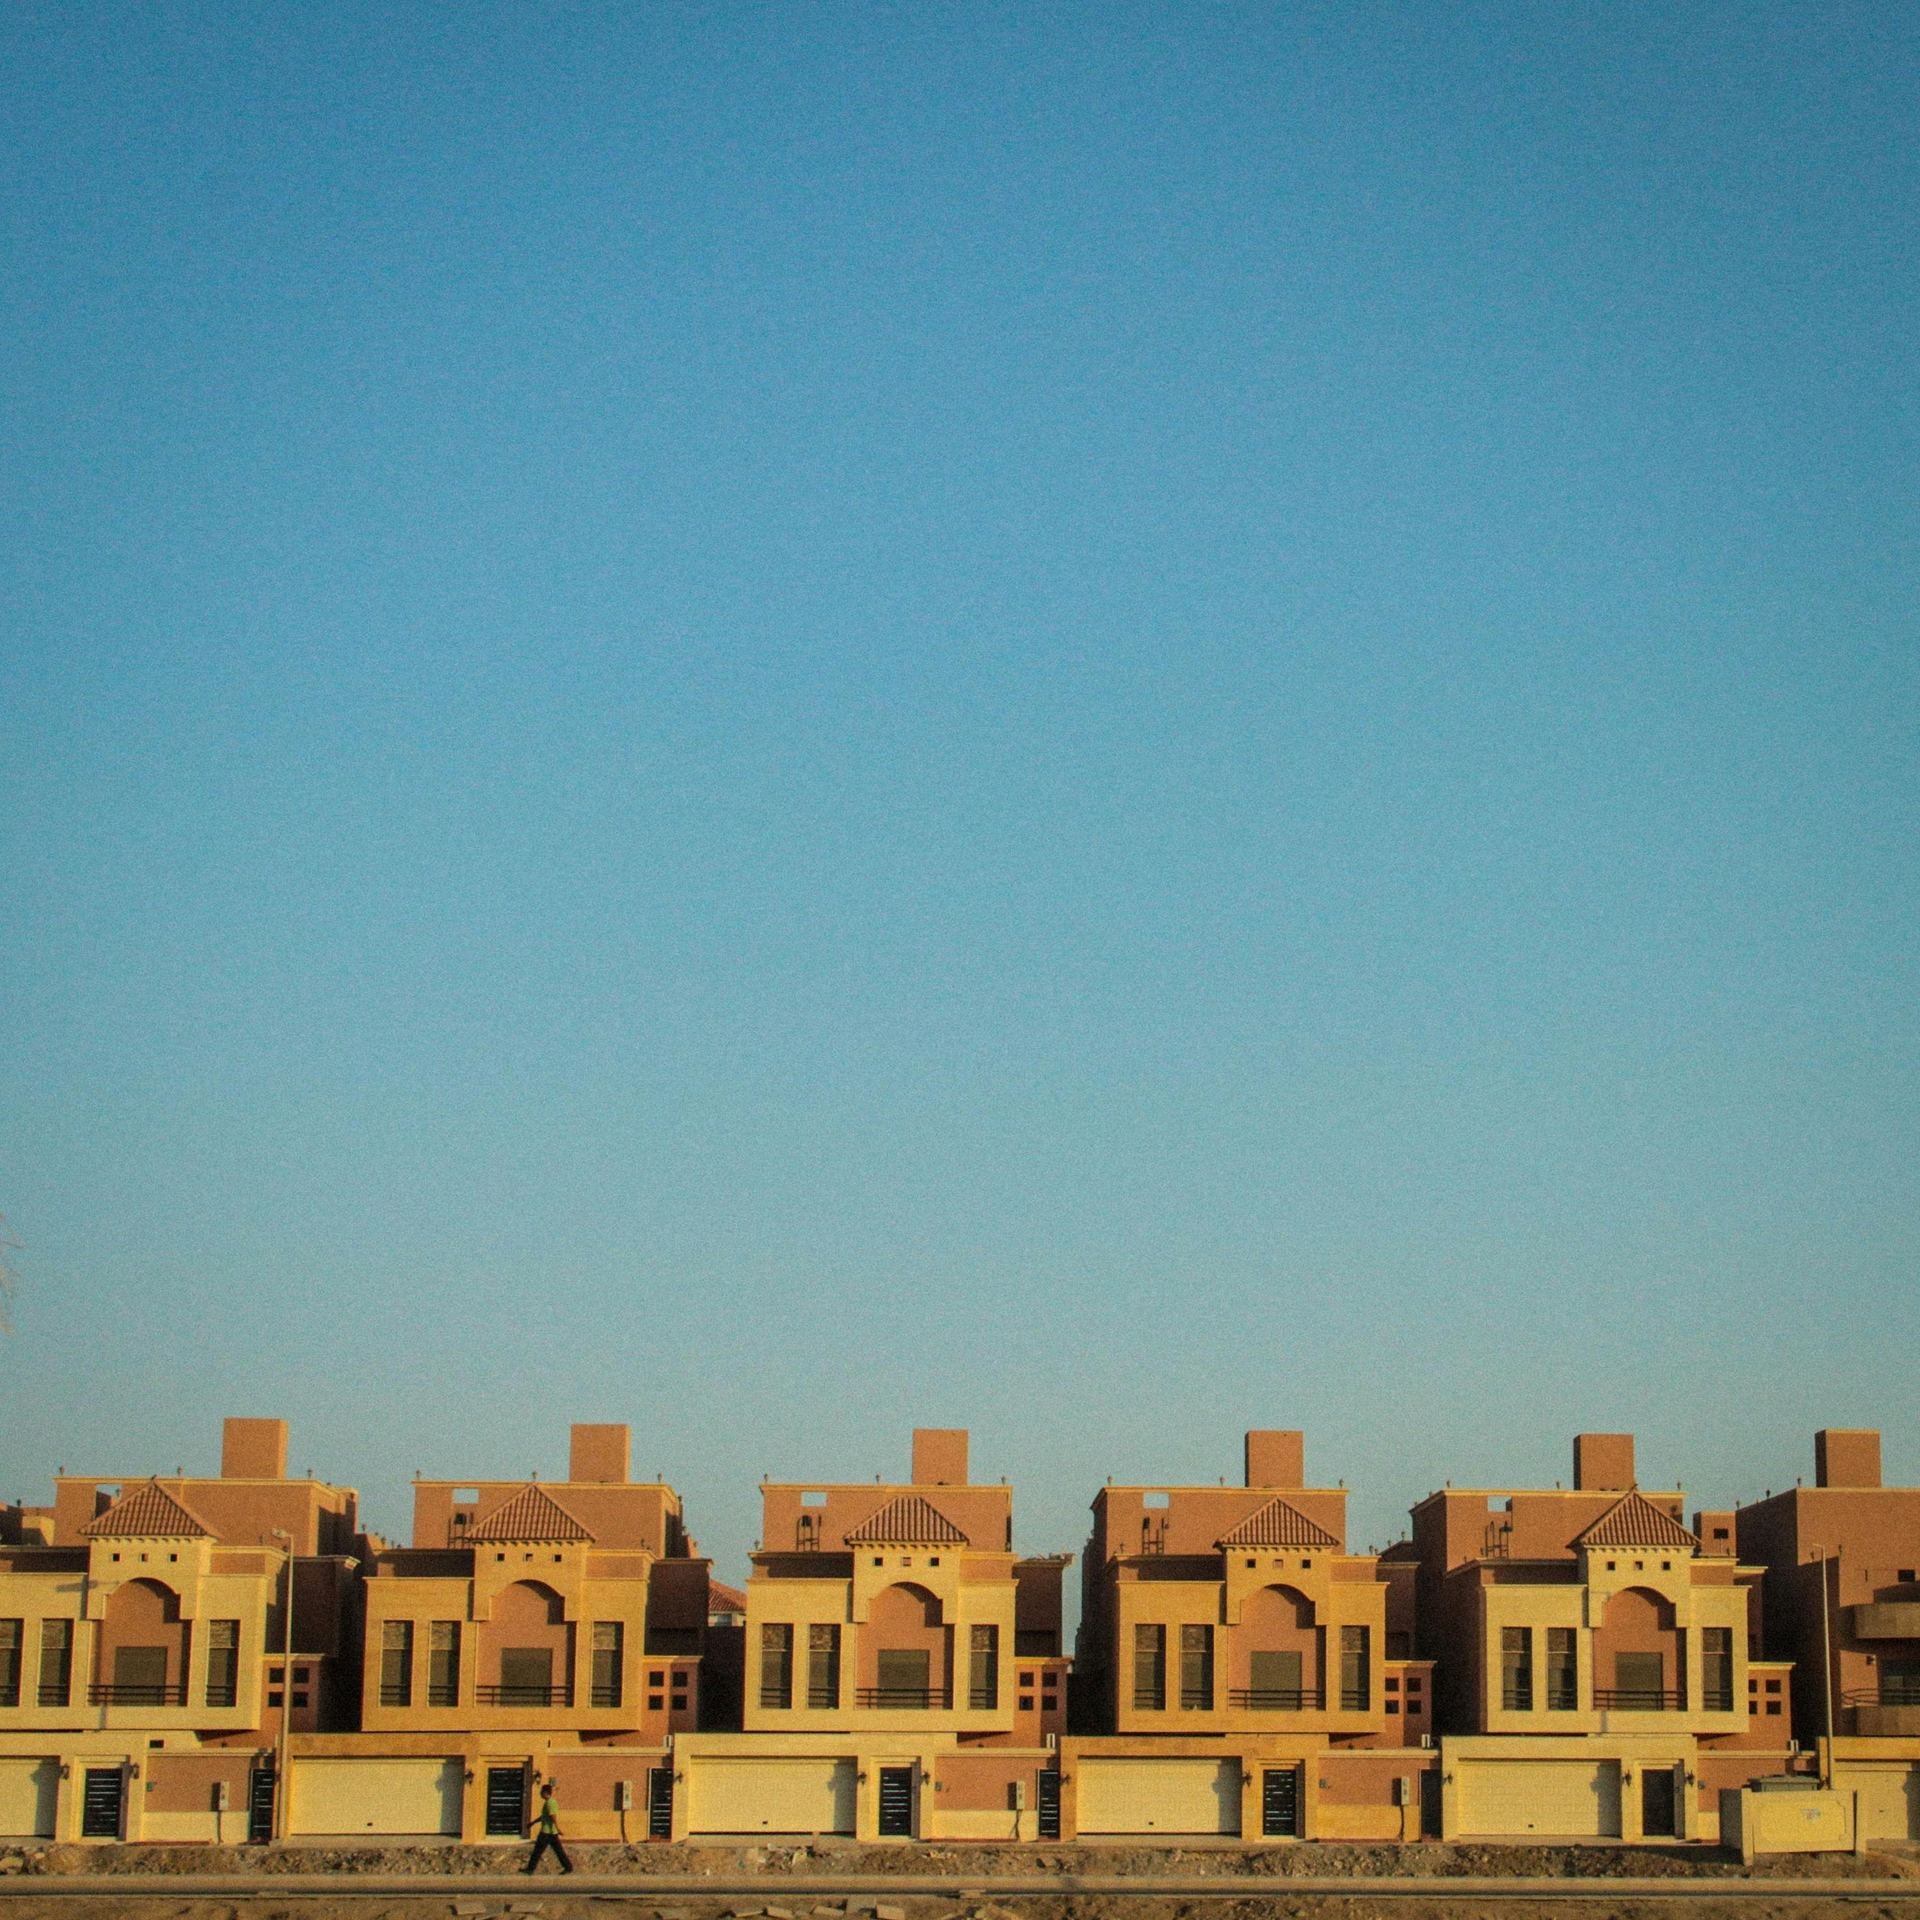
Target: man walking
[[547, 1832]]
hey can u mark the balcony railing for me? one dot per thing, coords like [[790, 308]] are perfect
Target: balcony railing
[[135, 1693], [913, 1699], [823, 1697], [1639, 1699], [1895, 1690], [523, 1694], [1354, 1700], [1277, 1699], [1516, 1699], [395, 1696]]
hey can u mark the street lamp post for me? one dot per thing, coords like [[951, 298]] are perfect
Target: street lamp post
[[282, 1798]]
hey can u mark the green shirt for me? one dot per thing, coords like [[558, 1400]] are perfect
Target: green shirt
[[549, 1815]]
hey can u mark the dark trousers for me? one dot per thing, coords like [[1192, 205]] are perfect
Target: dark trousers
[[540, 1846]]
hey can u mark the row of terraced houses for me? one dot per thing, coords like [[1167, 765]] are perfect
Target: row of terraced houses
[[235, 1659]]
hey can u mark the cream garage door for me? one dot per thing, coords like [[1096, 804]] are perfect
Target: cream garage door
[[771, 1796], [28, 1789], [1564, 1798], [1889, 1801], [1159, 1796], [376, 1796]]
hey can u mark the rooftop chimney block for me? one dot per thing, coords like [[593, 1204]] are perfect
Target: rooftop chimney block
[[939, 1456], [598, 1455], [1846, 1457], [1276, 1457], [1603, 1462], [253, 1449]]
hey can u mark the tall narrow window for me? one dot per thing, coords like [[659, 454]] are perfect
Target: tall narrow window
[[1716, 1669], [1150, 1667], [1563, 1670], [56, 1662], [396, 1663], [443, 1663], [1196, 1668], [1516, 1669], [12, 1633], [1356, 1669], [223, 1663], [983, 1668], [823, 1664], [776, 1664]]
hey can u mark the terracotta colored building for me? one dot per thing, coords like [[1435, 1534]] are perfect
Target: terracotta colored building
[[1842, 1561], [1600, 1664], [538, 1628], [145, 1677], [1240, 1671], [904, 1674]]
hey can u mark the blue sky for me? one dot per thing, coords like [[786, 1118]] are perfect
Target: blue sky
[[1104, 722]]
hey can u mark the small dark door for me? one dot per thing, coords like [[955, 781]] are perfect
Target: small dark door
[[100, 1803], [896, 1803], [1430, 1804], [260, 1785], [506, 1802], [659, 1803], [1047, 1812], [1657, 1803], [1280, 1803]]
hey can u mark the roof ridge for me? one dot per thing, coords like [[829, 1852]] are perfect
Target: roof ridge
[[1634, 1521]]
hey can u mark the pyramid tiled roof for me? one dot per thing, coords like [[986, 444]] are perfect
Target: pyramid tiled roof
[[149, 1512], [1634, 1521], [532, 1514], [907, 1521], [1277, 1524]]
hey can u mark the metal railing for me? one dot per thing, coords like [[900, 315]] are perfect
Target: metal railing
[[1895, 1690], [395, 1696], [1639, 1699], [914, 1699], [1516, 1699], [135, 1693], [1355, 1700], [1277, 1699], [523, 1694]]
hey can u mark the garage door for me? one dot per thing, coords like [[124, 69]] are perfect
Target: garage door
[[771, 1796], [1571, 1799], [27, 1792], [1159, 1796], [1889, 1800], [376, 1796]]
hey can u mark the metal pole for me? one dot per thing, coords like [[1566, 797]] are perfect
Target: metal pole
[[1826, 1666], [283, 1786]]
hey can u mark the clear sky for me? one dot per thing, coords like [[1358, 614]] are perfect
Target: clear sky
[[1106, 722]]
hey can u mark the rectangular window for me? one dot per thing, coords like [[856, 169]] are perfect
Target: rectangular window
[[396, 1663], [906, 1677], [823, 1665], [1356, 1670], [1563, 1670], [983, 1668], [609, 1656], [12, 1633], [1516, 1669], [526, 1678], [1196, 1668], [443, 1663], [1716, 1669], [1275, 1674], [776, 1664], [1639, 1680], [223, 1663], [1150, 1668], [56, 1662]]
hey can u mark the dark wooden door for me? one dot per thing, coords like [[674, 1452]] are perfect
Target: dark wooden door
[[506, 1802], [896, 1803], [100, 1803], [1280, 1802]]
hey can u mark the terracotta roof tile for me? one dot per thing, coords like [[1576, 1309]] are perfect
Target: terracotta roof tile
[[722, 1598], [1634, 1521], [149, 1512], [907, 1521], [1277, 1524], [531, 1514]]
